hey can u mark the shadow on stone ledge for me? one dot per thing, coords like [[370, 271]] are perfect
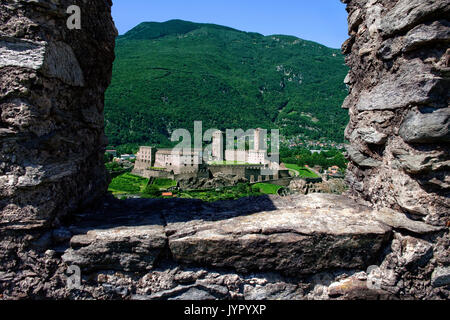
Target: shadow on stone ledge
[[292, 235]]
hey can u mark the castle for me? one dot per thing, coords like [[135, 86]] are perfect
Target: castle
[[254, 164]]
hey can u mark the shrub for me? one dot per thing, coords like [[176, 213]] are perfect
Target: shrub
[[242, 188], [256, 189], [152, 190]]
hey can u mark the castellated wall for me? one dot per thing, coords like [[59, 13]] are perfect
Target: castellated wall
[[250, 172], [52, 84], [398, 53]]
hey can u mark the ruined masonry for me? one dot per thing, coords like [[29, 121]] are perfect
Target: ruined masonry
[[399, 54]]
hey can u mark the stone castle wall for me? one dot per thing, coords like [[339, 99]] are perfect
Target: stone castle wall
[[52, 84], [230, 170], [250, 172], [398, 53]]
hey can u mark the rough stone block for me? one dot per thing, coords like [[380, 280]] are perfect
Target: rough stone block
[[428, 126]]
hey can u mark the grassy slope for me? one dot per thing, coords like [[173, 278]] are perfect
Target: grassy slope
[[164, 184], [168, 75], [127, 184], [304, 172], [268, 188]]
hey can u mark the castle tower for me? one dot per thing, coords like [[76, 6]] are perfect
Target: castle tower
[[259, 144], [218, 146], [145, 158]]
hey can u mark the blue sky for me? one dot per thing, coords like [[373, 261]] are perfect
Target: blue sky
[[323, 21]]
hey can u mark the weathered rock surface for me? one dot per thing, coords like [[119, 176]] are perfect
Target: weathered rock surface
[[413, 84], [122, 248], [356, 288], [52, 83], [313, 251], [415, 162], [441, 277], [406, 14], [399, 155], [298, 185], [51, 120], [370, 135], [426, 127], [426, 34], [297, 239], [297, 235], [398, 104], [362, 160], [178, 249], [399, 220]]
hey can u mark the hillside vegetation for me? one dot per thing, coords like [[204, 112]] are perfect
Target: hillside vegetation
[[168, 75]]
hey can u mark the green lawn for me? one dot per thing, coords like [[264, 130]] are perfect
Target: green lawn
[[127, 183], [303, 172], [164, 184], [267, 188]]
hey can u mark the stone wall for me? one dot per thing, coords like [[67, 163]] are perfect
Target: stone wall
[[399, 57], [398, 53], [52, 84], [244, 171], [154, 174]]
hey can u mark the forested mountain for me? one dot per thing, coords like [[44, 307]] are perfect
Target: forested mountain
[[168, 75]]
